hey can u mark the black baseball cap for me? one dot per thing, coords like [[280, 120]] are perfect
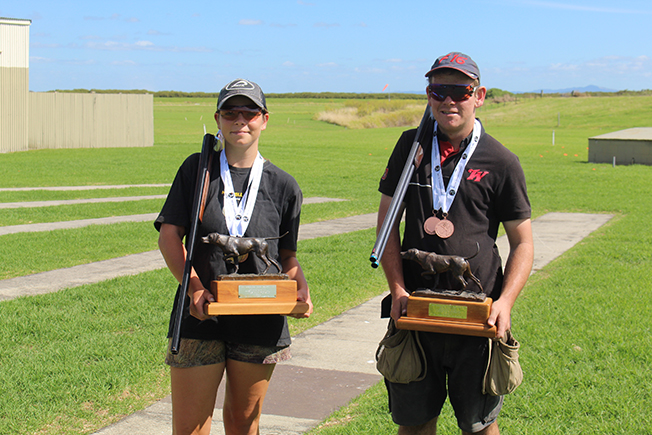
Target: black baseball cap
[[244, 88], [457, 61]]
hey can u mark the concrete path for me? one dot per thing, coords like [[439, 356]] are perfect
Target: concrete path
[[66, 225], [31, 204], [69, 188], [51, 226], [47, 282], [333, 362]]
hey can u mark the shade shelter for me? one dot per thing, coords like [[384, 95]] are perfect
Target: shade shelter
[[624, 147]]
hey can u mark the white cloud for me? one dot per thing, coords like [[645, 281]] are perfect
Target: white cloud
[[123, 62], [282, 26], [572, 7], [610, 72], [250, 22], [41, 45], [142, 45], [114, 17], [563, 67], [365, 70], [37, 59]]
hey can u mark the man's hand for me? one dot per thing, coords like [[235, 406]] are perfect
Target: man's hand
[[500, 317], [399, 304]]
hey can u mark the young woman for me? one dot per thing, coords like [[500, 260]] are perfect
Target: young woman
[[248, 197]]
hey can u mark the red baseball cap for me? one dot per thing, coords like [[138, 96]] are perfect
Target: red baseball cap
[[457, 61]]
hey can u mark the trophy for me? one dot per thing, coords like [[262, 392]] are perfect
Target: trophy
[[251, 293], [447, 311]]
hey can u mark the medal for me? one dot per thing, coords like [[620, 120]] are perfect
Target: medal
[[443, 196], [444, 228], [430, 225]]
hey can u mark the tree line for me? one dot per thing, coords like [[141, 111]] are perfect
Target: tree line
[[492, 93]]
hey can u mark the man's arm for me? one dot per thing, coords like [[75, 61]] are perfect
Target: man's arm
[[517, 271], [391, 260]]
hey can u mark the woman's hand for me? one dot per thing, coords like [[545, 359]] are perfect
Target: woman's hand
[[303, 295], [292, 269], [199, 297]]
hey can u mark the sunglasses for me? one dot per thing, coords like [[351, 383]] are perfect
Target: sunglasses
[[248, 113], [456, 92]]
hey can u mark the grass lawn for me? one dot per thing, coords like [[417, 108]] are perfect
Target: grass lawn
[[79, 359], [585, 320]]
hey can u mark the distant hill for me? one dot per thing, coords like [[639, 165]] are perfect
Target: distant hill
[[590, 88]]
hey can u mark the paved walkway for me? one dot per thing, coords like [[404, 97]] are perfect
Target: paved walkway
[[69, 188], [333, 362], [51, 281]]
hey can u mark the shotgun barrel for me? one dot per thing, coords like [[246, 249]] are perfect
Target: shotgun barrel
[[201, 188], [395, 205]]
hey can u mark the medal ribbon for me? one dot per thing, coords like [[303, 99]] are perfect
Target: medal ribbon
[[238, 215], [443, 196]]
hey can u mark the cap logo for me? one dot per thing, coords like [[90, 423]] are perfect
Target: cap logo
[[240, 84], [455, 59]]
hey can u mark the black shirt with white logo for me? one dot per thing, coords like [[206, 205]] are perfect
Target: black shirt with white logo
[[277, 211]]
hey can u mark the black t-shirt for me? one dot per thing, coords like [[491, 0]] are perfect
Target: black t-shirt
[[277, 211], [492, 191]]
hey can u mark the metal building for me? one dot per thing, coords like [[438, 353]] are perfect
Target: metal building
[[624, 147], [14, 84], [38, 120]]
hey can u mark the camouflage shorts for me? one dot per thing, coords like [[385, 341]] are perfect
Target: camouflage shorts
[[194, 353]]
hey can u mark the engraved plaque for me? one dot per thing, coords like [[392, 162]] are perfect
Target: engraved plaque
[[450, 311], [257, 294], [256, 291], [448, 315]]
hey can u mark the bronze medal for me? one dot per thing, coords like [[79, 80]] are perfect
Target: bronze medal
[[430, 225], [444, 228]]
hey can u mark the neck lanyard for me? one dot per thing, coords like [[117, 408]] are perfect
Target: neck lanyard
[[443, 196], [238, 215]]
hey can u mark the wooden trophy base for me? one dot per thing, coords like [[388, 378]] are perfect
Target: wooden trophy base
[[448, 315], [254, 294]]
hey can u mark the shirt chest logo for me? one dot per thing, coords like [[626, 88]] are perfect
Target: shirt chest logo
[[476, 175]]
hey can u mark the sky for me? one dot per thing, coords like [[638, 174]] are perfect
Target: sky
[[334, 45]]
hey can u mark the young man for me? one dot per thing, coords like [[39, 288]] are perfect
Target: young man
[[466, 185]]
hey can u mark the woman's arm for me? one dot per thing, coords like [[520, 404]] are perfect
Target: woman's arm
[[170, 243], [292, 269]]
